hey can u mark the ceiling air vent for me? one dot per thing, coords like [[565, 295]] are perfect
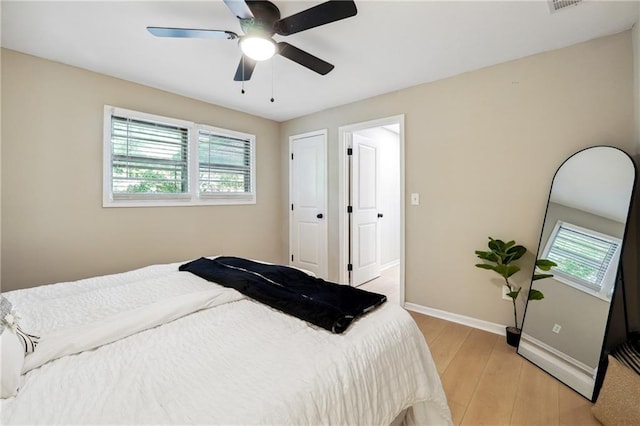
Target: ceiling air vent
[[556, 5]]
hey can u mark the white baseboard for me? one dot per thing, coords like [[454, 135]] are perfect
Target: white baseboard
[[390, 265], [491, 327], [568, 370]]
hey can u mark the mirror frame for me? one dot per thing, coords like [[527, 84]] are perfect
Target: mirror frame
[[618, 291]]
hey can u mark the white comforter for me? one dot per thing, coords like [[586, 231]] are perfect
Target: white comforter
[[203, 354]]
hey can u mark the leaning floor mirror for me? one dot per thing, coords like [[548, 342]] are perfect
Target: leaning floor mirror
[[583, 233]]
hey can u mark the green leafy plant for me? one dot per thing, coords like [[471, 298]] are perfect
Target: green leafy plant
[[500, 257]]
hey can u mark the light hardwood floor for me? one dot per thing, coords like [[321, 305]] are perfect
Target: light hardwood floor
[[486, 382]]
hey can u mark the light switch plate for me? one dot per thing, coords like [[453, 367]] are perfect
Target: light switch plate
[[415, 199]]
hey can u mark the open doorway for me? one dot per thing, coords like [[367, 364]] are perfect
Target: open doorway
[[371, 222]]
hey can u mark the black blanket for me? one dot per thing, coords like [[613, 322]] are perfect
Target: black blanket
[[328, 305]]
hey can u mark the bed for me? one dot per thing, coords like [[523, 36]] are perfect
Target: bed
[[160, 346]]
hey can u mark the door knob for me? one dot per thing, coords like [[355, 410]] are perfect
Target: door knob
[[380, 214], [319, 216]]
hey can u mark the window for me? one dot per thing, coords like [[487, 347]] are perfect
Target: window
[[148, 158], [587, 260], [224, 164], [159, 161]]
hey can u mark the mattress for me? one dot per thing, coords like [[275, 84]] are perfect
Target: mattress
[[159, 346]]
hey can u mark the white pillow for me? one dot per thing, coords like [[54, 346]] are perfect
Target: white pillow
[[11, 361], [15, 344]]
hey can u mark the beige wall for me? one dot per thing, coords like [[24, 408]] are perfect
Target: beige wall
[[636, 81], [481, 149], [54, 226], [0, 157], [581, 335], [556, 212]]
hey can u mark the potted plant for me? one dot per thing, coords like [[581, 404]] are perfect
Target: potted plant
[[500, 257]]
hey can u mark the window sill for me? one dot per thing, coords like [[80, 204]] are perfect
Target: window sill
[[580, 287], [188, 202]]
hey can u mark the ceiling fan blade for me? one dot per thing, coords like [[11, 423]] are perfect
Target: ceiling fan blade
[[239, 8], [191, 33], [245, 69], [303, 58], [324, 13]]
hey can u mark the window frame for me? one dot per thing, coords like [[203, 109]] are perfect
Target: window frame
[[190, 198], [609, 279]]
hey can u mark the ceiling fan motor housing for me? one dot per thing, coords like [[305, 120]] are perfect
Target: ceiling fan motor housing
[[266, 14]]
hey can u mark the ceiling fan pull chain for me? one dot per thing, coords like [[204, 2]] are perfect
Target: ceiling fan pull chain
[[272, 80], [242, 61]]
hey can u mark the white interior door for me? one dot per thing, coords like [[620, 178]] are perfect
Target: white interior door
[[308, 202], [365, 199]]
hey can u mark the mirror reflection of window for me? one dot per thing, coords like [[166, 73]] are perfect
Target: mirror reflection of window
[[587, 260]]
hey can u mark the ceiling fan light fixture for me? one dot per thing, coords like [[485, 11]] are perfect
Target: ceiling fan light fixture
[[258, 48]]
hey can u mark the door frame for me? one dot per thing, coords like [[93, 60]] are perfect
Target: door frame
[[345, 136], [324, 133]]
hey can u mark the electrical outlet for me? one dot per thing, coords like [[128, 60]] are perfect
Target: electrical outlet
[[556, 328], [505, 292]]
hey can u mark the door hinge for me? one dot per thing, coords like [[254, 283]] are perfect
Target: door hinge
[[349, 209], [291, 207], [292, 155], [349, 267], [349, 151], [292, 258]]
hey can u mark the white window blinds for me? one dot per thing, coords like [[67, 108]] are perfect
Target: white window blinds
[[225, 164], [148, 157], [582, 256]]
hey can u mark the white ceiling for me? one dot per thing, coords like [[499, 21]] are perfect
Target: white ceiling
[[598, 180], [388, 45]]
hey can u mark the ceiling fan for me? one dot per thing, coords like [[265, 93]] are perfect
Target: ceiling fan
[[260, 20]]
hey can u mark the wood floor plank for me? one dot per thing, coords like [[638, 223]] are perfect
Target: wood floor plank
[[457, 412], [492, 402], [574, 409], [536, 401], [447, 344], [463, 373], [431, 327]]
